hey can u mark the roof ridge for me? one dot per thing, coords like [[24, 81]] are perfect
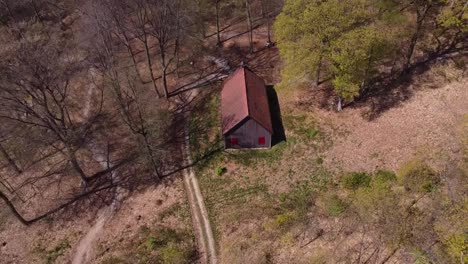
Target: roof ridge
[[246, 92]]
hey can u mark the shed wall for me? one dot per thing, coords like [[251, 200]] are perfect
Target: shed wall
[[248, 134]]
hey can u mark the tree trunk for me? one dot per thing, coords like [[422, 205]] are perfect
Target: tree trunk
[[317, 73], [339, 106], [320, 61], [368, 70], [76, 165], [36, 11], [262, 8], [149, 150], [10, 160], [150, 66], [414, 39], [218, 33], [166, 90], [162, 51], [123, 31], [13, 209], [249, 21], [135, 64], [269, 28]]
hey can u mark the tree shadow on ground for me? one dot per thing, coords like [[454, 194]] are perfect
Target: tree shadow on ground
[[391, 91], [278, 129]]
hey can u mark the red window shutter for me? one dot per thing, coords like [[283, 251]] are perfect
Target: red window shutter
[[234, 141], [261, 140]]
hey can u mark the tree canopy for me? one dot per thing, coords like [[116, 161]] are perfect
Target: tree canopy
[[350, 42]]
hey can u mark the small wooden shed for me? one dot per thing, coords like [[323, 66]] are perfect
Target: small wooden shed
[[246, 117]]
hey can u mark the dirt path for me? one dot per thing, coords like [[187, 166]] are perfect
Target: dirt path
[[201, 221], [84, 249]]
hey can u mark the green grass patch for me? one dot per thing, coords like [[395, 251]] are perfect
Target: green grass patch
[[51, 255], [417, 176], [299, 199], [174, 254], [113, 260], [335, 206], [237, 194], [285, 219], [220, 171], [160, 245], [252, 157], [179, 210], [355, 180], [385, 176], [204, 127], [305, 127]]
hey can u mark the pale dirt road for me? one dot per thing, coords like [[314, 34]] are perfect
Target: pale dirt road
[[201, 221], [199, 213]]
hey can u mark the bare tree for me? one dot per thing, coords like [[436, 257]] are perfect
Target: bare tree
[[36, 92], [217, 12], [137, 110], [10, 159], [248, 12], [118, 14], [139, 21], [422, 9]]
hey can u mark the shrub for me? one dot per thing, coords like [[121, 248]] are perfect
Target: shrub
[[418, 176], [385, 176], [151, 243], [113, 260], [335, 206], [57, 251], [285, 219], [220, 171], [319, 161], [298, 199], [457, 246], [311, 133], [354, 180], [173, 254]]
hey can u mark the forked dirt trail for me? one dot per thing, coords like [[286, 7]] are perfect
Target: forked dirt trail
[[84, 250], [206, 242]]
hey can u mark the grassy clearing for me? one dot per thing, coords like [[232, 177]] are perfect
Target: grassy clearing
[[240, 186], [50, 256], [260, 202], [159, 244], [416, 175]]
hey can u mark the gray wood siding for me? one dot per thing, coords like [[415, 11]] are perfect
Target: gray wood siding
[[247, 136]]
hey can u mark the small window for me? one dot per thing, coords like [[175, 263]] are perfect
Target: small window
[[234, 141], [261, 140]]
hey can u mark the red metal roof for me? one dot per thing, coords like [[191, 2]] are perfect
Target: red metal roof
[[244, 95]]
